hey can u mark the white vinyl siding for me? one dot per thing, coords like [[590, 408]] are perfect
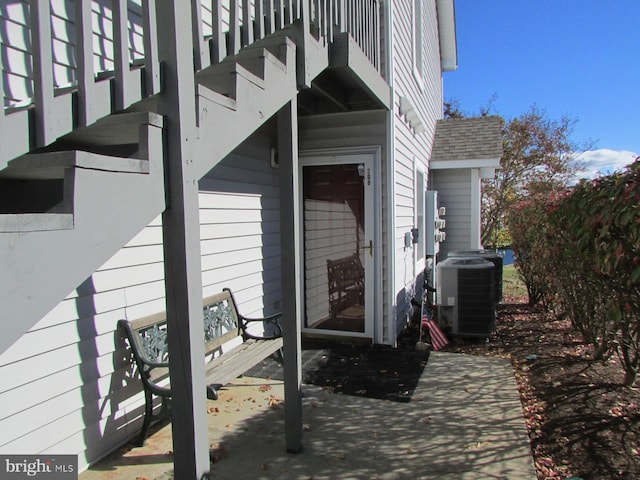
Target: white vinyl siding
[[424, 92], [66, 384], [454, 193], [240, 228]]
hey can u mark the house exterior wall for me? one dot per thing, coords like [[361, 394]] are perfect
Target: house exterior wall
[[345, 130], [66, 383], [422, 87], [454, 192], [68, 386]]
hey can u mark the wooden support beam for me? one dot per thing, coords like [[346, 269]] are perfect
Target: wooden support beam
[[181, 231], [291, 273]]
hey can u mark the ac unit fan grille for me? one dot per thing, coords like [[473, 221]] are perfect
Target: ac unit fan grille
[[476, 302]]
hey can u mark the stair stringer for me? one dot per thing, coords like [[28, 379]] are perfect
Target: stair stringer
[[224, 122], [109, 207]]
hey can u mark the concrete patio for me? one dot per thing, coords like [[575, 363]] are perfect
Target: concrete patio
[[464, 421]]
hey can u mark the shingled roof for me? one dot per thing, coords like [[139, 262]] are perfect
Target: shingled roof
[[472, 138]]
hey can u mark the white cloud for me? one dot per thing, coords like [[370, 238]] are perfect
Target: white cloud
[[603, 161]]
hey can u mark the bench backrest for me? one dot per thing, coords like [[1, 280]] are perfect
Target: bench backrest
[[220, 323], [344, 273]]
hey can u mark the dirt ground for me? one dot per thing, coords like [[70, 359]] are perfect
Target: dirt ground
[[582, 423]]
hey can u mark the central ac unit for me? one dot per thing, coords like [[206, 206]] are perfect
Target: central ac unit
[[466, 296], [493, 257]]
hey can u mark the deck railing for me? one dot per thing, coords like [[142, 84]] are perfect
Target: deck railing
[[103, 53]]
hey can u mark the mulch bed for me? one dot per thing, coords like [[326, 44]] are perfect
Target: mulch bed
[[582, 423]]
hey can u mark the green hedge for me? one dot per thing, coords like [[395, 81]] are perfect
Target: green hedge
[[579, 254]]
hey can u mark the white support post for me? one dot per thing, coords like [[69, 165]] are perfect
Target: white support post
[[42, 72], [475, 209], [181, 232], [291, 273]]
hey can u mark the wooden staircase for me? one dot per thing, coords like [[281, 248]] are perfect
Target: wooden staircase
[[75, 189], [84, 207], [240, 94]]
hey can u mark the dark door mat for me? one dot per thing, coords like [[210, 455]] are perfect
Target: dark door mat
[[374, 371]]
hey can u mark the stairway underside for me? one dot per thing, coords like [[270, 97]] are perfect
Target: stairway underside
[[71, 206]]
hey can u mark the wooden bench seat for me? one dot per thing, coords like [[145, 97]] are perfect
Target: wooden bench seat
[[346, 283], [222, 324]]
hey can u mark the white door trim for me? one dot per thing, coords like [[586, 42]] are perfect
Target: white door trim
[[374, 286]]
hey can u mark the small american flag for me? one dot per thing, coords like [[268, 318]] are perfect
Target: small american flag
[[438, 339]]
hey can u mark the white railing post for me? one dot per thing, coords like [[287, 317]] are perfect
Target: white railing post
[[376, 50], [234, 27], [342, 16], [258, 28], [121, 53], [201, 56], [151, 63], [247, 24], [84, 60], [40, 13], [289, 12], [219, 41], [270, 18], [279, 14]]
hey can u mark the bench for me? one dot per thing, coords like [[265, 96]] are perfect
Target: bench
[[346, 283], [222, 323]]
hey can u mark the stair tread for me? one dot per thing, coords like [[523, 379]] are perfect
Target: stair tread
[[48, 165], [115, 129], [222, 77]]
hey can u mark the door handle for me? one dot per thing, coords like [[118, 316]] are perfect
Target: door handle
[[370, 247]]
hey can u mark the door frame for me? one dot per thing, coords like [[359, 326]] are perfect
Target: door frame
[[373, 279]]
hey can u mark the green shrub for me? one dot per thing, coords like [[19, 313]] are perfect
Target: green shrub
[[579, 255]]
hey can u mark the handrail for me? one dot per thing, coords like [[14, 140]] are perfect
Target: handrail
[[127, 35]]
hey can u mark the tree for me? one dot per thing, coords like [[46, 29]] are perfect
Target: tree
[[538, 156]]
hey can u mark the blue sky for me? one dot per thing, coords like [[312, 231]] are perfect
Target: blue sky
[[575, 57]]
